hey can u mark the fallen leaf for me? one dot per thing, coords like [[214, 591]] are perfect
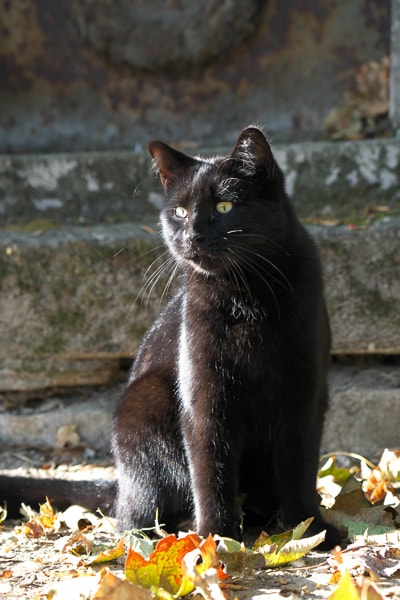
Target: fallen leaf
[[112, 587], [67, 436], [6, 574], [202, 569], [287, 547], [148, 229], [340, 474], [358, 529], [163, 568], [376, 209], [3, 513], [40, 524], [384, 478], [110, 554], [77, 544], [346, 589]]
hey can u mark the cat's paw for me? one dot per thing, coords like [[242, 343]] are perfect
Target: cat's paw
[[230, 529], [332, 537]]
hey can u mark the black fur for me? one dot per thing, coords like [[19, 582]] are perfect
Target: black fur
[[228, 391], [62, 493]]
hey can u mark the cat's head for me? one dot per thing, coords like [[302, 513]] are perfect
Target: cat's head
[[222, 214]]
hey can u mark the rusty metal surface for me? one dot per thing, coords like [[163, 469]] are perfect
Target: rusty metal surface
[[60, 93]]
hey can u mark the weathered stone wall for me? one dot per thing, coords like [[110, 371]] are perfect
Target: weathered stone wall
[[95, 74]]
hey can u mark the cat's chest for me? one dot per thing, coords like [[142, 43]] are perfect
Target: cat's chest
[[222, 338]]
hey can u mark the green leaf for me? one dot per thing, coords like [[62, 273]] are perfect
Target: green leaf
[[340, 475], [355, 528]]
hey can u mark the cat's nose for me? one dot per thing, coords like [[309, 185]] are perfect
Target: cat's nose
[[194, 238]]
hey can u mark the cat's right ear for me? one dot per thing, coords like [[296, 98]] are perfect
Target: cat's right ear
[[168, 162], [252, 148]]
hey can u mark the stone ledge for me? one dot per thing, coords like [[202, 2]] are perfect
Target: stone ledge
[[353, 423], [324, 179], [364, 406], [67, 298]]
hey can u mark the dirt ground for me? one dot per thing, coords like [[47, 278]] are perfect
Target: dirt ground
[[45, 567]]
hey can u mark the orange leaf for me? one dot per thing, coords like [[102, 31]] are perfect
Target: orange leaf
[[46, 519], [200, 563], [47, 516], [6, 574], [164, 567], [376, 486]]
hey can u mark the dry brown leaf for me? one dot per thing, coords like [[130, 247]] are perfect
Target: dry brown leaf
[[112, 587], [67, 436]]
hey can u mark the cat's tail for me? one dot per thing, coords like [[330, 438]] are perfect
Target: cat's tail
[[92, 494]]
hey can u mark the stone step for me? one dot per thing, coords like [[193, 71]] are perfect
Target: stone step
[[324, 179], [362, 417], [73, 304], [79, 232]]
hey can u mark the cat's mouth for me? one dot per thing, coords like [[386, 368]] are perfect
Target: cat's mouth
[[205, 262]]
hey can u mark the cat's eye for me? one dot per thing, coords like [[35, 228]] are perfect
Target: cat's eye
[[223, 207], [181, 212]]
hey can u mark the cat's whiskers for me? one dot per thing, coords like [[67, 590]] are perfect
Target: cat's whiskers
[[283, 281], [236, 276], [168, 265], [262, 237], [170, 280], [252, 269], [135, 259], [158, 258]]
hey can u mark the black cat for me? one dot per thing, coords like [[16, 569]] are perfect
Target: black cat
[[228, 392]]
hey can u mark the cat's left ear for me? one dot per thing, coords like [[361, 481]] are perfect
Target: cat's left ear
[[252, 145], [170, 163]]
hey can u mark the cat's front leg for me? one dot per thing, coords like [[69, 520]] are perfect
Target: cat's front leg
[[213, 471], [210, 443]]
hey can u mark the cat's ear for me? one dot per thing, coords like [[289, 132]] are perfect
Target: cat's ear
[[253, 146], [169, 163]]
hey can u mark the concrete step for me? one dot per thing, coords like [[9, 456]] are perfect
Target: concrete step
[[67, 299], [365, 400], [79, 232], [336, 180]]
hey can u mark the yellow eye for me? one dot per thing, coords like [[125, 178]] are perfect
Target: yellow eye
[[180, 212], [224, 207]]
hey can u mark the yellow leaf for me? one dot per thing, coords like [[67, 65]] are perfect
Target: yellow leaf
[[276, 555], [3, 513], [346, 589], [111, 554], [46, 516], [361, 589]]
